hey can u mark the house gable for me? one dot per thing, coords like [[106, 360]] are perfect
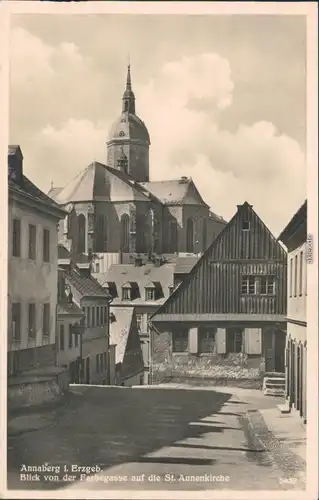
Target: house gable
[[244, 247]]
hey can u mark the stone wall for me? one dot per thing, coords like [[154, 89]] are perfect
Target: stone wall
[[167, 365], [37, 390]]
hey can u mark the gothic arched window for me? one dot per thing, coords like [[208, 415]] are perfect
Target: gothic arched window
[[172, 237], [81, 233], [125, 233], [190, 235], [204, 235], [101, 236]]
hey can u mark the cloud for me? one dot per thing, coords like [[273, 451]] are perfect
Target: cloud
[[254, 163], [64, 105]]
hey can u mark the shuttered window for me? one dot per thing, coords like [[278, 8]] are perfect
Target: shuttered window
[[180, 340], [234, 340], [206, 340]]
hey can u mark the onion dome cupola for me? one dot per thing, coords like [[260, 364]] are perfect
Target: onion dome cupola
[[129, 137]]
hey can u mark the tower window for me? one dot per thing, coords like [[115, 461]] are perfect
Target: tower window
[[190, 236]]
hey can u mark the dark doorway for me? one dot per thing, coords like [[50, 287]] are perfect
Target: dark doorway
[[274, 350], [87, 371], [280, 343]]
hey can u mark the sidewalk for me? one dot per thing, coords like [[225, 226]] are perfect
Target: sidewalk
[[288, 429]]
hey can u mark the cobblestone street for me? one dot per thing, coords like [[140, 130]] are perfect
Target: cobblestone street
[[159, 437]]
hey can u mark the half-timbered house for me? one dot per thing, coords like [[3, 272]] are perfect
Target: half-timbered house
[[230, 310]]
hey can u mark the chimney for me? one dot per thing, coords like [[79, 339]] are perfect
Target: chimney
[[138, 261], [15, 164]]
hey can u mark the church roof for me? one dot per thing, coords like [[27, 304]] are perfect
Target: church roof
[[175, 192], [101, 183], [129, 126]]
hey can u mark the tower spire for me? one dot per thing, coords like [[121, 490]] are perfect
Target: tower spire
[[128, 96]]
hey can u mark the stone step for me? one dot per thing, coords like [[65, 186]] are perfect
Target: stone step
[[274, 392]]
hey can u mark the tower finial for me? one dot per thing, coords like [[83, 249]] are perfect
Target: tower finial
[[128, 96], [128, 78]]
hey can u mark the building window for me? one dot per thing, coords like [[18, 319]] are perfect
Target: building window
[[300, 273], [296, 276], [76, 339], [81, 233], [291, 277], [32, 242], [46, 320], [88, 316], [97, 316], [97, 358], [204, 235], [105, 314], [150, 294], [32, 322], [248, 285], [101, 236], [104, 358], [267, 285], [206, 340], [46, 245], [190, 235], [170, 289], [93, 315], [16, 321], [125, 233], [126, 293], [234, 340], [139, 318], [245, 225], [180, 340], [172, 237], [16, 237], [61, 337], [70, 337]]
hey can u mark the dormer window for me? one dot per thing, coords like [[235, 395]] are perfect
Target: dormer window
[[126, 291], [150, 292]]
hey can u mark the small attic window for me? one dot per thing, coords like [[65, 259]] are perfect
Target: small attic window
[[150, 292], [126, 291], [121, 134], [245, 225]]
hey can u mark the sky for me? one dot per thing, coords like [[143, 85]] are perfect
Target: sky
[[223, 98]]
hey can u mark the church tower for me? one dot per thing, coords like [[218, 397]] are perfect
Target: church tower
[[129, 141]]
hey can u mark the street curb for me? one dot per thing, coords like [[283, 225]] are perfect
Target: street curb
[[291, 466]]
